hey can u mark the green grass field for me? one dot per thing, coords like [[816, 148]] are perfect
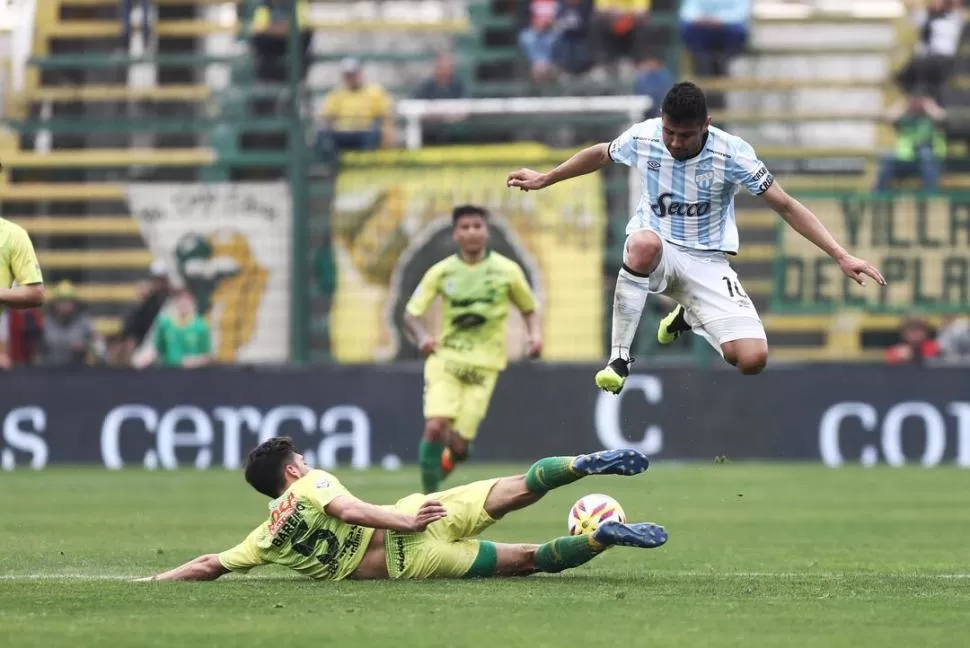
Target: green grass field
[[759, 555]]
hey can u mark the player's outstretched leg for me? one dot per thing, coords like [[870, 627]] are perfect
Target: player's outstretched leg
[[436, 433], [514, 493], [641, 256]]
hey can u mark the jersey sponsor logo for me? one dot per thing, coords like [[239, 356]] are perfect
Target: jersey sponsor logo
[[323, 483], [653, 165], [763, 171], [468, 321], [763, 187], [281, 514], [667, 206]]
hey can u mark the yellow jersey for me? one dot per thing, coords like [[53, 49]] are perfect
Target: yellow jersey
[[263, 17], [18, 261], [622, 6], [356, 110], [300, 535], [475, 306]]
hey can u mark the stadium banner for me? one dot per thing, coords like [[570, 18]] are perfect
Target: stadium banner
[[392, 221], [229, 243], [364, 416], [918, 241]]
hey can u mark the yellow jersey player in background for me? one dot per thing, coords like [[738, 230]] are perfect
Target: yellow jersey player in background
[[18, 264], [476, 286], [317, 528]]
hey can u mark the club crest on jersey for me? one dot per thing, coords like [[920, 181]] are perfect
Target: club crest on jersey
[[449, 287], [704, 176]]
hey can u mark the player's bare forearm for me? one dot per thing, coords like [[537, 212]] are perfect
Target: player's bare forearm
[[586, 161], [21, 297], [533, 324], [415, 327], [203, 568], [803, 221], [354, 511]]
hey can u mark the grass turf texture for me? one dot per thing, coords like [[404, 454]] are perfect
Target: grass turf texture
[[759, 555]]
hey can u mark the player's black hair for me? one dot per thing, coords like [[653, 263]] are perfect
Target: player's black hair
[[264, 465], [685, 104], [467, 210]]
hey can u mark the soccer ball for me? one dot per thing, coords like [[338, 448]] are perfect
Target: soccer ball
[[593, 510]]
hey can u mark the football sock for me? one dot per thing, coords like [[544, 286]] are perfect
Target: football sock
[[549, 473], [429, 458], [566, 552], [629, 299]]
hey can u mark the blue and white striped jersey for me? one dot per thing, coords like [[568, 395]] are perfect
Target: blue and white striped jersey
[[690, 202]]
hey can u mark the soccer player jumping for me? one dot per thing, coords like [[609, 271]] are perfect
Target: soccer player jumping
[[684, 228], [317, 528]]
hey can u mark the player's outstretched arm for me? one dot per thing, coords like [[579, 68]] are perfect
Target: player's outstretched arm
[[354, 511], [803, 221], [203, 568], [419, 334], [586, 161]]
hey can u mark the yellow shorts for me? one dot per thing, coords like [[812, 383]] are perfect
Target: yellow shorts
[[447, 548], [457, 392]]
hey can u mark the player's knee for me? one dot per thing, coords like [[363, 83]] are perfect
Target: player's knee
[[752, 362], [642, 251], [436, 430]]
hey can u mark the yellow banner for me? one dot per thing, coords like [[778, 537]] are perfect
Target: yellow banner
[[392, 221], [921, 245]]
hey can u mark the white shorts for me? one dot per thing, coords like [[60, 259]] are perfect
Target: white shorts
[[715, 304]]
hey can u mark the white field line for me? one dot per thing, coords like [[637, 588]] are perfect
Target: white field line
[[789, 575]]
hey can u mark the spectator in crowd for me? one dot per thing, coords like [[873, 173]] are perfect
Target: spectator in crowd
[[916, 343], [920, 142], [69, 336], [356, 116], [573, 24], [938, 26], [182, 337], [620, 30], [954, 339], [538, 41], [138, 322], [270, 37], [443, 82], [21, 335], [714, 31], [441, 127], [127, 28], [653, 80]]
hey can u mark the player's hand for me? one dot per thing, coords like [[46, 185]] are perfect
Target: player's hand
[[427, 345], [430, 511], [535, 346], [857, 269], [526, 180]]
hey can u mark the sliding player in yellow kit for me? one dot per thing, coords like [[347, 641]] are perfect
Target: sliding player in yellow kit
[[476, 286], [18, 263], [317, 528]]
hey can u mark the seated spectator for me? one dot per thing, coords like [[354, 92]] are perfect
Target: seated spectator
[[954, 339], [138, 322], [620, 30], [270, 37], [126, 26], [917, 344], [653, 80], [920, 142], [714, 31], [69, 336], [356, 116], [441, 127], [539, 40], [182, 337], [443, 83], [571, 51], [939, 26]]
